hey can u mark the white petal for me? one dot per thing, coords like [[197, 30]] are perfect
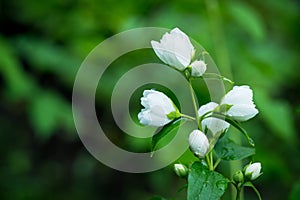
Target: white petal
[[242, 112], [238, 95], [157, 107], [167, 55], [215, 125], [144, 117], [207, 108], [157, 98], [153, 117], [241, 100], [183, 47], [198, 68]]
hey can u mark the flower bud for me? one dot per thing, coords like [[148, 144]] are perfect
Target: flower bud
[[181, 170], [198, 68], [238, 177], [252, 171], [199, 144]]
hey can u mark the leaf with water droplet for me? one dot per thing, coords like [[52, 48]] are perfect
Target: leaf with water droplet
[[227, 149], [205, 184], [222, 185]]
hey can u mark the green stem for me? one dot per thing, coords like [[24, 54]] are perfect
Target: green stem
[[195, 104], [217, 76], [188, 117], [238, 193], [257, 192], [217, 163], [218, 38], [211, 160], [250, 184], [208, 162]]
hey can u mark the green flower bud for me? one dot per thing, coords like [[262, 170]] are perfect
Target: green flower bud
[[238, 177], [181, 170]]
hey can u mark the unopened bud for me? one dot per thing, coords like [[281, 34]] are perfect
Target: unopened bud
[[252, 171], [238, 177], [198, 68], [181, 170], [198, 143]]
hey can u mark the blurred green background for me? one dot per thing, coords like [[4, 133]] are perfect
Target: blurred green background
[[42, 44]]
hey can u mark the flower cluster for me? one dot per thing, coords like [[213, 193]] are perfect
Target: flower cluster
[[239, 102], [213, 118], [251, 172], [176, 50]]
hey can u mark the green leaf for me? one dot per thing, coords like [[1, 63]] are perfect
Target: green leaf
[[164, 131], [227, 149], [205, 184], [295, 193], [18, 84], [157, 198], [250, 184], [278, 114], [184, 187], [44, 56], [48, 113], [247, 18], [235, 124]]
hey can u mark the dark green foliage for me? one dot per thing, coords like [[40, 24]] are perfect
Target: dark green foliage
[[227, 149], [205, 184], [42, 44]]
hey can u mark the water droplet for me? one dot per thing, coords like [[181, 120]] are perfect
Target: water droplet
[[205, 184], [203, 163], [221, 185], [225, 151], [251, 142]]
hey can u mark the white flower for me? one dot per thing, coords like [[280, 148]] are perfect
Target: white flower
[[252, 171], [240, 98], [242, 108], [159, 109], [198, 143], [198, 68], [174, 49], [215, 125]]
